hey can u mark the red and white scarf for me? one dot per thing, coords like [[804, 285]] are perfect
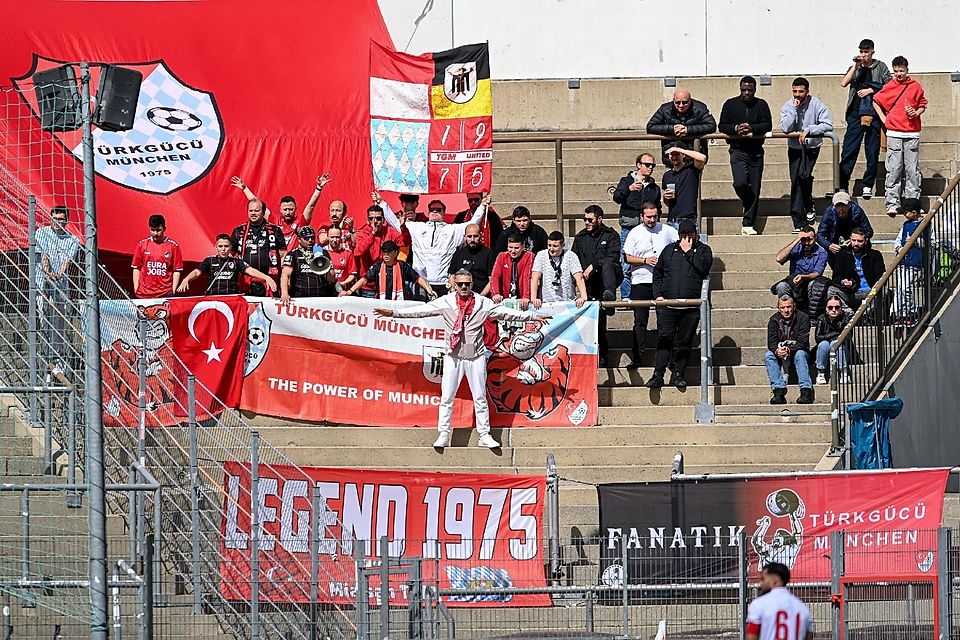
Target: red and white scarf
[[396, 292], [465, 306]]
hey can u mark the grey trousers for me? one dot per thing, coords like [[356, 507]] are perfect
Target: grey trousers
[[903, 160]]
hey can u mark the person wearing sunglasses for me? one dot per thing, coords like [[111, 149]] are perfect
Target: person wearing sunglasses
[[829, 327], [464, 313], [369, 241], [680, 120], [494, 224], [598, 248], [633, 190], [433, 242]]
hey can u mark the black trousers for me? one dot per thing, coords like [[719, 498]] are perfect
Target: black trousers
[[747, 169], [677, 328], [802, 162], [641, 316]]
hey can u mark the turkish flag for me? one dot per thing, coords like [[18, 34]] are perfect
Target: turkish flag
[[209, 335]]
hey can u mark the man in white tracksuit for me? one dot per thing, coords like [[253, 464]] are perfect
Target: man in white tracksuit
[[464, 313], [434, 242]]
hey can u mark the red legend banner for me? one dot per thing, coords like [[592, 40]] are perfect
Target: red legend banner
[[472, 530]]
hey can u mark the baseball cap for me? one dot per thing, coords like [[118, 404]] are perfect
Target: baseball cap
[[687, 226], [409, 197], [910, 204], [307, 233], [841, 197], [389, 245]]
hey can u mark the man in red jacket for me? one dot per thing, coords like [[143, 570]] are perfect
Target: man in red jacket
[[511, 273], [368, 242], [900, 103]]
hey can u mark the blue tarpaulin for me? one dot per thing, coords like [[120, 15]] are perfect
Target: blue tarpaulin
[[870, 432]]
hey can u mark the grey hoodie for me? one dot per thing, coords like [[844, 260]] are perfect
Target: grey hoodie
[[812, 117]]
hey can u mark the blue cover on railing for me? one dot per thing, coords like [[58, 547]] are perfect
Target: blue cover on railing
[[870, 432]]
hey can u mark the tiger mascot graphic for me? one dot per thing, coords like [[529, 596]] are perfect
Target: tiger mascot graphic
[[522, 380], [121, 369]]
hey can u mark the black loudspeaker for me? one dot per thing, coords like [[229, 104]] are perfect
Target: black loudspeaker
[[117, 98], [58, 99]]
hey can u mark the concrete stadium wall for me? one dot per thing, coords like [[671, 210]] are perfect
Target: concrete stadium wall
[[524, 105], [532, 39]]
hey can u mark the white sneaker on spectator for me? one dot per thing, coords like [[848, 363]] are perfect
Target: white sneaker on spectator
[[443, 441], [867, 193], [821, 379], [486, 440], [748, 231], [811, 215]]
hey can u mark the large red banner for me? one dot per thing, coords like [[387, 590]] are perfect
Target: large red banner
[[471, 530], [889, 520], [332, 360]]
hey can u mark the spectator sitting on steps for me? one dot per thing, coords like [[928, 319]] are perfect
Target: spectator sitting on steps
[[838, 220], [808, 260], [788, 340], [829, 327], [857, 267]]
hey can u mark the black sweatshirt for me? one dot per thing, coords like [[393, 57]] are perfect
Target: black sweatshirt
[[756, 113]]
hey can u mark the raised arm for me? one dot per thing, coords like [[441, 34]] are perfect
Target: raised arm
[[240, 184], [315, 197], [424, 310], [388, 213]]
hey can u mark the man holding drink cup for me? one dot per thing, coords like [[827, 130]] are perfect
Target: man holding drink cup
[[681, 184]]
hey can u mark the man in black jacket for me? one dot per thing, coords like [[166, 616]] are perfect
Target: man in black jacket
[[788, 340], [746, 120], [598, 248], [633, 190], [679, 273], [856, 268], [534, 236], [682, 119], [475, 258]]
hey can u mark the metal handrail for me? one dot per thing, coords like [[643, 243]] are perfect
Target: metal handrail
[[881, 285], [559, 137]]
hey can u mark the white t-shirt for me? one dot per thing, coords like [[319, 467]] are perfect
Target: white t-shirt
[[780, 615], [569, 265], [644, 243]]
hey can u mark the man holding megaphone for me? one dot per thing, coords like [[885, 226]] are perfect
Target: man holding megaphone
[[307, 273]]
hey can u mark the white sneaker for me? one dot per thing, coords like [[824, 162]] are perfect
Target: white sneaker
[[443, 441], [821, 379], [867, 193], [748, 231], [486, 440]]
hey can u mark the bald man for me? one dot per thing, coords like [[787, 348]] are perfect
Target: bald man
[[681, 120], [475, 258]]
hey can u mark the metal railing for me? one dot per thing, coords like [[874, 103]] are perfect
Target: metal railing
[[705, 411], [895, 312], [558, 138]]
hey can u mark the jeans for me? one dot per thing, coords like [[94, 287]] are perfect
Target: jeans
[[823, 355], [903, 160], [747, 169], [625, 285], [855, 135], [775, 369], [802, 162]]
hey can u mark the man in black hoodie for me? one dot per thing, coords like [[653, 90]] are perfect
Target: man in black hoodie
[[680, 271], [746, 120], [534, 236], [598, 248], [682, 119]]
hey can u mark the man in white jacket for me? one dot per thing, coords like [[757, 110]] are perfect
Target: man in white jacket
[[433, 242], [807, 115], [464, 312]]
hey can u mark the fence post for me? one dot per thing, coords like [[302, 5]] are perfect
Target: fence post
[[194, 493], [363, 594], [705, 412], [47, 434], [148, 577], [558, 156], [742, 571], [626, 592], [944, 582], [25, 516], [836, 585], [139, 496], [158, 541], [32, 299], [74, 498], [254, 535], [415, 605], [835, 443], [384, 587], [553, 518], [133, 519], [117, 611], [314, 559]]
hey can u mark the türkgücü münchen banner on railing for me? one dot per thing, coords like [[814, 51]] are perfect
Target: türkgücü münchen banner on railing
[[332, 360]]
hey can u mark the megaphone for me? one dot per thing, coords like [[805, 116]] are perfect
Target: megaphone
[[318, 264]]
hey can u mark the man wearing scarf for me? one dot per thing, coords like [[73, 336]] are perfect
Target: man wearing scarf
[[464, 313], [391, 279]]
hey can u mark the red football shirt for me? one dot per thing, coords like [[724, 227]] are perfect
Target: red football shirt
[[289, 229], [157, 263], [343, 263]]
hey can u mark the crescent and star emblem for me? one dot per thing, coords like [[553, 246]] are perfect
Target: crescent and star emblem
[[213, 352]]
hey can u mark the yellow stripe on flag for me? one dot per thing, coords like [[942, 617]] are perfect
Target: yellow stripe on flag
[[481, 104]]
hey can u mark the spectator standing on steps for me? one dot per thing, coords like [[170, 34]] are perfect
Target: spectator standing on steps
[[633, 190], [746, 120], [679, 273], [512, 269], [476, 258], [57, 250], [598, 248], [681, 184], [806, 114], [829, 327], [557, 275], [534, 236], [865, 77], [838, 220], [260, 245], [906, 300], [808, 261], [491, 229], [157, 262], [642, 250], [682, 119], [788, 340], [899, 104]]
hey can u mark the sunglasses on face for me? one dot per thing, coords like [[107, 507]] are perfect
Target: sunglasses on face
[[374, 218], [463, 285], [473, 199], [590, 220], [681, 102], [435, 210], [648, 165], [833, 308]]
